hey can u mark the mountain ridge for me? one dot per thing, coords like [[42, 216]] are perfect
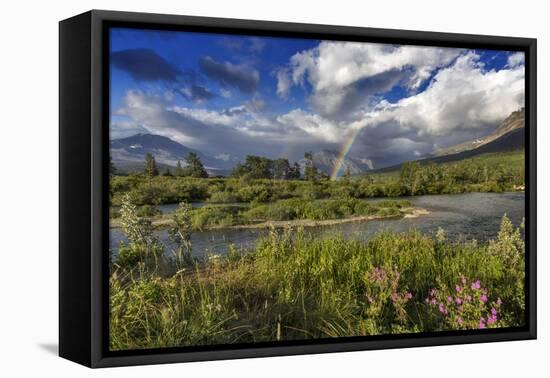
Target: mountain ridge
[[515, 120], [128, 154], [325, 160]]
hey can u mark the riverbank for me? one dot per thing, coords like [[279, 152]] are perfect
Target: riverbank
[[166, 221], [294, 285], [292, 212]]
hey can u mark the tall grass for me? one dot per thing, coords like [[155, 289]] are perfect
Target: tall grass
[[293, 285]]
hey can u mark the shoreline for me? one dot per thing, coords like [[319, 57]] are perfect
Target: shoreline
[[405, 213]]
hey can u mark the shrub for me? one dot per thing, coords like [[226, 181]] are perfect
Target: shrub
[[148, 211], [223, 197], [212, 215]]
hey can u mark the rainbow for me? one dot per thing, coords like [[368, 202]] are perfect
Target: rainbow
[[344, 149]]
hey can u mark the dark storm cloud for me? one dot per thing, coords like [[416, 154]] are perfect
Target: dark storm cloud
[[240, 76], [341, 103], [144, 65], [234, 111], [197, 93]]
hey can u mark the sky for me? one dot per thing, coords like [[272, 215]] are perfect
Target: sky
[[232, 95]]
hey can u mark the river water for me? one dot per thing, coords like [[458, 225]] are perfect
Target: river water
[[462, 216]]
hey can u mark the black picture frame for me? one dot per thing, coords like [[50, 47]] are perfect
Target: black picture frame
[[83, 182]]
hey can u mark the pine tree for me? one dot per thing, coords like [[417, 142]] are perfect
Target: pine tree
[[294, 173], [310, 171], [194, 166], [179, 170], [150, 166]]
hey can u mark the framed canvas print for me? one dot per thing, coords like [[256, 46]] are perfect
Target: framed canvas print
[[233, 188]]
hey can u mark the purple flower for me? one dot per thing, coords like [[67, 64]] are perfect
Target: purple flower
[[449, 299], [458, 288], [468, 298], [476, 285], [491, 319], [463, 280], [408, 295], [432, 301], [481, 323], [459, 320], [493, 311], [483, 298], [499, 301], [458, 301], [442, 309], [432, 292]]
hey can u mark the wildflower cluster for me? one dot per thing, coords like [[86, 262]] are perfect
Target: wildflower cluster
[[466, 306], [383, 291]]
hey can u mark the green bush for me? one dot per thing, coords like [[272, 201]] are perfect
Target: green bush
[[148, 211], [213, 215], [223, 197]]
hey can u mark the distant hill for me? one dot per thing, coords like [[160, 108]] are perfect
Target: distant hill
[[514, 121], [511, 137], [128, 154], [325, 160]]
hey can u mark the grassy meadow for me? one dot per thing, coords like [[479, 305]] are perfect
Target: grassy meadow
[[291, 285]]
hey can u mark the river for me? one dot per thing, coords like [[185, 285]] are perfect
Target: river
[[462, 216]]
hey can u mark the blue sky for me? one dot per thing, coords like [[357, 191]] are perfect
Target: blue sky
[[236, 95]]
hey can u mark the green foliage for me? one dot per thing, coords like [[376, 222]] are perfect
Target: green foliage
[[194, 167], [180, 234], [494, 172], [178, 171], [291, 209], [256, 167], [310, 171], [223, 197], [215, 216], [485, 173], [142, 247], [148, 211], [295, 286], [150, 166]]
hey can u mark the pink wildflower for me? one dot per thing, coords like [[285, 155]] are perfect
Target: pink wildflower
[[463, 280], [476, 285], [459, 320], [493, 311], [458, 300], [483, 298], [458, 288], [468, 298], [442, 309], [481, 323], [499, 301], [408, 295], [449, 299]]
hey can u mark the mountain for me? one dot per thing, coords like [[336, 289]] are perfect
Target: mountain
[[128, 154], [325, 160], [514, 121], [513, 139]]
